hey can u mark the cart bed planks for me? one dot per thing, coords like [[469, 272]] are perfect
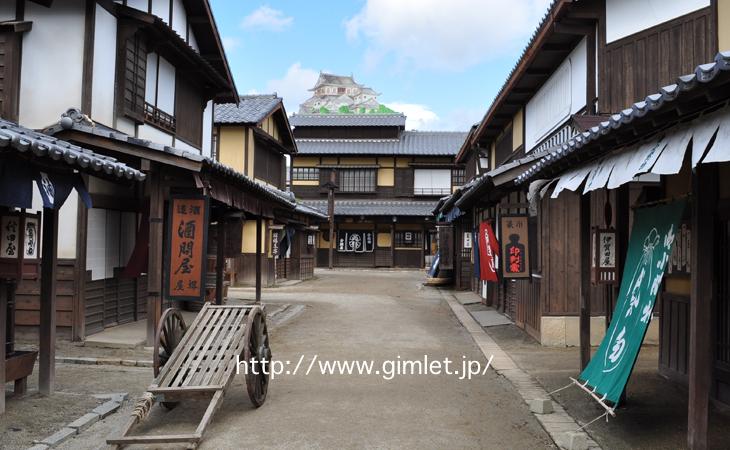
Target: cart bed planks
[[202, 360]]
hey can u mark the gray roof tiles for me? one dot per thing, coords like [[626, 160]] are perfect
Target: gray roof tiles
[[428, 143], [348, 120], [251, 109], [24, 140], [376, 207]]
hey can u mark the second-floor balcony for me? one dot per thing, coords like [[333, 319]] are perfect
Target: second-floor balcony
[[431, 191]]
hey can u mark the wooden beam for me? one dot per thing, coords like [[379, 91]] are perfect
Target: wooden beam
[[585, 280], [704, 190], [220, 261], [577, 30], [47, 331], [3, 332], [154, 261], [258, 259]]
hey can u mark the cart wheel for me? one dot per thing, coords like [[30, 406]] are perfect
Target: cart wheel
[[170, 332], [258, 355]]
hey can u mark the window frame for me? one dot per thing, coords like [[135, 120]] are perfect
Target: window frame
[[360, 182], [305, 174]]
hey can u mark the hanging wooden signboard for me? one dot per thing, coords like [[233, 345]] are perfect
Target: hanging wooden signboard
[[603, 256], [19, 245], [514, 237], [185, 259]]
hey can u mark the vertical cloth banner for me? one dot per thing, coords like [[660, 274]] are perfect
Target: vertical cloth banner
[[488, 252], [475, 240], [649, 249]]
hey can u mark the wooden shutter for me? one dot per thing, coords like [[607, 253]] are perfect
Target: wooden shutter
[[9, 74], [135, 73], [188, 112], [404, 182]]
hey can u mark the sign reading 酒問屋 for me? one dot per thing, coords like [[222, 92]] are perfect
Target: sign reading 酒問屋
[[185, 259], [650, 247]]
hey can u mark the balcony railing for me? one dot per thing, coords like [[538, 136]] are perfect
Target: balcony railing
[[158, 117], [431, 191]]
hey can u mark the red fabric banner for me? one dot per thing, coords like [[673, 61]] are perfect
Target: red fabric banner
[[488, 252]]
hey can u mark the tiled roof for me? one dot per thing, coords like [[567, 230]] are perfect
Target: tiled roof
[[348, 120], [430, 143], [251, 109], [703, 76], [24, 140], [376, 207], [74, 120], [311, 211]]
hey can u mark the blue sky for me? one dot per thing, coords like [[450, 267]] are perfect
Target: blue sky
[[440, 62]]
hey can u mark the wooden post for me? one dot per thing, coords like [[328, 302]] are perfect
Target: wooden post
[[3, 333], [258, 259], [331, 213], [585, 280], [47, 332], [220, 261], [704, 187], [392, 244], [154, 262]]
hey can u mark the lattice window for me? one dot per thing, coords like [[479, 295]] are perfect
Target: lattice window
[[305, 174], [408, 239], [357, 180]]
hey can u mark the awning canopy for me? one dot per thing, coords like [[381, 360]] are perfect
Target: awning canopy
[[708, 135]]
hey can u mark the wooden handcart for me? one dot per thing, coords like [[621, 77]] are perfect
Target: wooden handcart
[[201, 361]]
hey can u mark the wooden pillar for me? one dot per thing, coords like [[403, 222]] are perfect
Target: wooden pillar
[[258, 259], [154, 262], [392, 244], [423, 246], [47, 332], [3, 333], [704, 187], [585, 280], [331, 213], [220, 261]]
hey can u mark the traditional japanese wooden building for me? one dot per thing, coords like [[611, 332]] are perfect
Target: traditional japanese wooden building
[[388, 182], [574, 87], [254, 137]]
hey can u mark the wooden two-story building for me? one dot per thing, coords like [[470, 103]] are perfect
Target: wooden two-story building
[[254, 137], [388, 182]]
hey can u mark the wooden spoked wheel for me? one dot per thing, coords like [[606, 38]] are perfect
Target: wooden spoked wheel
[[170, 332], [258, 356]]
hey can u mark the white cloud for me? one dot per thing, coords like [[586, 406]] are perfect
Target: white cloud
[[230, 43], [451, 35], [293, 86], [267, 19], [418, 117]]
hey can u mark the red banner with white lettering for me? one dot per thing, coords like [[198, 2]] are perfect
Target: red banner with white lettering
[[488, 252]]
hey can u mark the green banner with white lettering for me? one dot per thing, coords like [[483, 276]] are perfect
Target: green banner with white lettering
[[650, 247]]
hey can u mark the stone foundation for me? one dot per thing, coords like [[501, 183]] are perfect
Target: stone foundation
[[564, 331]]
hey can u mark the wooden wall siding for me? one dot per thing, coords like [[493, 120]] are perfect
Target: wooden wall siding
[[346, 132], [27, 306], [599, 294], [560, 287], [113, 301], [134, 72], [404, 182], [306, 267], [268, 165], [354, 259], [244, 267], [407, 258], [527, 316], [673, 336], [9, 75], [722, 315], [189, 107], [503, 147], [383, 257], [94, 308], [640, 64]]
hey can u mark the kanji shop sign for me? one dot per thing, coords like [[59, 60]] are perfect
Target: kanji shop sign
[[603, 260], [515, 246], [19, 242], [355, 241], [187, 242]]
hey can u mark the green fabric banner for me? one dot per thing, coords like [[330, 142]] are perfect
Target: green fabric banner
[[649, 249]]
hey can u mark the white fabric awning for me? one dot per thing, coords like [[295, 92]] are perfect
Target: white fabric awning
[[662, 155]]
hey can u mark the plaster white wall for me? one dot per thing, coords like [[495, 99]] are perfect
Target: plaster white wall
[[126, 126], [562, 95], [53, 57], [7, 10], [137, 4], [153, 134], [150, 85], [179, 18], [166, 87], [102, 87], [208, 129], [161, 9], [185, 146], [626, 17], [67, 226], [96, 243], [193, 42]]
